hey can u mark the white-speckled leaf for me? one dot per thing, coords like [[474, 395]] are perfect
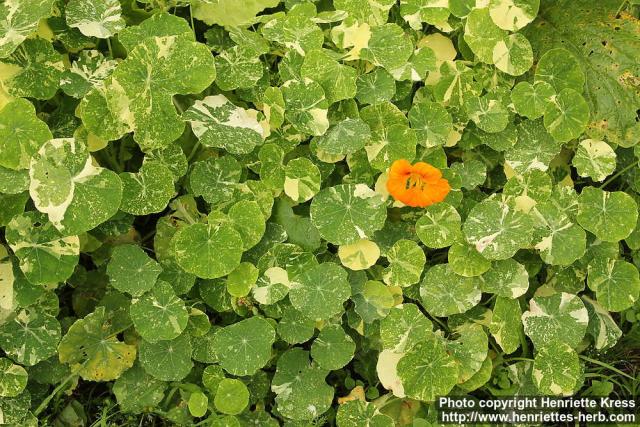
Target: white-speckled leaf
[[337, 80], [19, 19], [615, 282], [439, 227], [482, 35], [444, 292], [333, 348], [90, 70], [534, 148], [469, 349], [46, 256], [359, 255], [219, 123], [345, 137], [611, 216], [148, 191], [561, 69], [131, 270], [559, 240], [136, 390], [466, 261], [512, 15], [406, 262], [159, 314], [306, 106], [319, 292], [566, 115], [22, 134], [70, 189], [557, 318], [32, 336], [434, 12], [95, 18], [506, 323], [556, 370], [487, 113], [513, 55], [301, 179], [530, 100], [356, 413], [13, 378], [431, 122], [167, 360], [347, 213], [594, 159], [245, 346], [216, 179], [404, 327], [506, 278], [603, 329]]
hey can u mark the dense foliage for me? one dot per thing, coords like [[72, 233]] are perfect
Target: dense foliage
[[196, 228]]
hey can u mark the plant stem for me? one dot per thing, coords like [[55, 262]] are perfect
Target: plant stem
[[110, 47], [606, 365], [628, 167], [194, 150], [193, 27], [57, 390]]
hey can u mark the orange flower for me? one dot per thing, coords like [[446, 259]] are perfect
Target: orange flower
[[416, 185]]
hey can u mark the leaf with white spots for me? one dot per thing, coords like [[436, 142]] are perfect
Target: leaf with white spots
[[506, 324], [388, 47], [513, 15], [372, 12], [469, 349], [356, 413], [513, 55], [300, 387], [208, 250], [136, 390], [615, 282], [70, 189], [427, 370], [131, 270], [561, 69], [347, 213], [466, 261], [333, 348], [439, 227], [90, 70], [22, 134], [556, 370], [506, 278], [216, 179], [147, 191], [219, 123], [534, 148], [301, 180], [566, 115], [611, 216], [245, 346], [482, 35], [92, 348], [238, 68], [272, 286], [95, 18], [294, 31], [603, 329], [32, 336], [337, 80], [406, 262], [159, 315], [404, 327], [560, 317], [306, 106], [374, 301], [434, 12], [559, 240], [444, 292], [594, 159], [19, 19], [345, 137], [530, 100], [496, 230], [431, 122], [319, 292], [13, 378], [487, 113], [46, 256], [167, 360]]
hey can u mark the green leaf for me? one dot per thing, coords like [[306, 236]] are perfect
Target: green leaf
[[602, 328], [482, 35], [295, 31], [469, 349], [466, 261], [337, 80], [226, 13], [611, 216], [302, 180], [506, 278], [238, 68], [159, 315], [534, 149], [374, 301], [136, 390], [219, 123], [375, 87], [558, 318], [496, 230], [404, 327], [356, 413], [126, 103], [439, 227], [46, 256], [92, 349], [300, 387], [208, 250], [427, 371], [389, 144], [561, 69], [444, 292], [556, 370], [306, 106], [65, 185], [615, 282], [245, 346], [294, 327], [19, 19], [32, 336], [320, 291], [512, 15], [506, 326], [566, 116], [372, 13], [513, 55], [347, 213], [432, 123], [232, 396], [388, 47], [198, 404], [242, 279], [215, 179], [21, 134], [147, 191], [406, 262], [33, 70], [530, 100], [333, 348], [487, 113], [559, 240], [158, 25], [594, 159], [346, 137], [95, 18], [168, 360], [13, 378], [90, 70], [612, 99], [131, 270], [415, 12]]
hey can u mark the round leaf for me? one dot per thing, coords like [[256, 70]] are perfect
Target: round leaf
[[558, 318], [232, 396], [159, 314], [611, 216], [444, 293], [320, 291], [168, 360]]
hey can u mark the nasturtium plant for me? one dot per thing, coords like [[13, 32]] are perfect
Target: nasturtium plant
[[314, 212]]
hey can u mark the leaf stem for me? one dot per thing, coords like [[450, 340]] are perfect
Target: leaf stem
[[193, 27], [193, 152], [609, 367], [110, 47], [45, 402], [628, 167]]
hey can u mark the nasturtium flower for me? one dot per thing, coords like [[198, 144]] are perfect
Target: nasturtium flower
[[417, 185]]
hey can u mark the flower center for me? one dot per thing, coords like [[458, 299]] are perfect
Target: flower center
[[415, 180]]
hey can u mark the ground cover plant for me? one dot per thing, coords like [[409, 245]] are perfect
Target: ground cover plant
[[314, 212]]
